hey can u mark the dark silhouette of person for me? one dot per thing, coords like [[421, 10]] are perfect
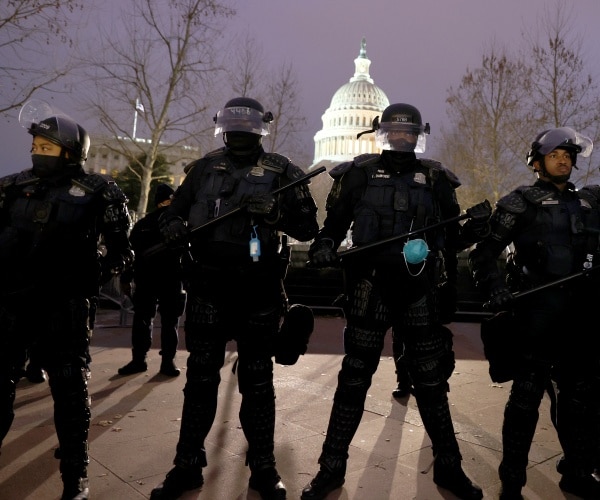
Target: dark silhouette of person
[[158, 286]]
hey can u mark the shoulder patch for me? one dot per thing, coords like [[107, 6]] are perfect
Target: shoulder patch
[[366, 159], [274, 161], [436, 169], [513, 202], [294, 172], [26, 177], [9, 180], [92, 183], [340, 169], [113, 193], [190, 166], [537, 194], [428, 162]]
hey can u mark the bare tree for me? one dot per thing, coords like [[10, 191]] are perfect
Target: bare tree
[[277, 90], [499, 107], [288, 118], [30, 33], [159, 72], [246, 68], [563, 92], [482, 146]]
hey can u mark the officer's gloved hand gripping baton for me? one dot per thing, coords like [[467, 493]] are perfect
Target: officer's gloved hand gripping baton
[[162, 246]]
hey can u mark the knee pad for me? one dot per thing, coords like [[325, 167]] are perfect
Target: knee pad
[[429, 356], [203, 368], [68, 385], [527, 392], [256, 377], [364, 343], [354, 379]]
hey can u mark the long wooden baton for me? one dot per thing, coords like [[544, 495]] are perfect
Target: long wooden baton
[[368, 246], [162, 246]]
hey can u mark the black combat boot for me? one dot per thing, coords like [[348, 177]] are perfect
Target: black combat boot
[[511, 491], [136, 365], [177, 482], [35, 374], [75, 488], [268, 483], [168, 367], [403, 389], [586, 487], [323, 483], [452, 478]]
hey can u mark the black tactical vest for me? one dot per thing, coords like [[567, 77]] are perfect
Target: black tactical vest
[[223, 187], [394, 204], [554, 243]]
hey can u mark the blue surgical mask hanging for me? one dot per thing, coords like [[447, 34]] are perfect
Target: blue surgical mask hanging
[[415, 251]]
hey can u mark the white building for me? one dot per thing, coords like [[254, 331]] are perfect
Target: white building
[[352, 110], [106, 157]]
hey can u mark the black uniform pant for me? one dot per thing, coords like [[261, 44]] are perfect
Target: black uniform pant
[[376, 303], [553, 345], [166, 297], [246, 306], [59, 331]]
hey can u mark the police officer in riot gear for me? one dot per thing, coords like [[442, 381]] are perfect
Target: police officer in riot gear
[[554, 230], [158, 284], [393, 285], [51, 219], [235, 287]]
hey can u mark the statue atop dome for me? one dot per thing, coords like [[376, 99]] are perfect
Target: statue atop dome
[[362, 63], [363, 48]]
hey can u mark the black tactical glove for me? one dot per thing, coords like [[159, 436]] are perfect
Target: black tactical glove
[[322, 254], [174, 231], [500, 298], [447, 298], [479, 215], [261, 204]]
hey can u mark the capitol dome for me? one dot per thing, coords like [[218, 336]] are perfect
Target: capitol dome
[[359, 93], [352, 110]]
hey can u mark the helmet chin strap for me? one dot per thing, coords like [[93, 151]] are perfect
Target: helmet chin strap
[[554, 179]]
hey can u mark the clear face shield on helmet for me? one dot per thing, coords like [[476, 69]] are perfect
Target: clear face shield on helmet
[[39, 118], [401, 136], [565, 136], [242, 119]]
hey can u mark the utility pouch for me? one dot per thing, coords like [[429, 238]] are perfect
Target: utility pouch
[[499, 336]]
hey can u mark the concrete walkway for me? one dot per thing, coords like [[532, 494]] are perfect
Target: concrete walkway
[[135, 426]]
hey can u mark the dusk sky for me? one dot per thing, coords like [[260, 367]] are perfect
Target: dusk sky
[[418, 50]]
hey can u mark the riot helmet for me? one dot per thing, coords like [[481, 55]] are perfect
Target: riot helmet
[[401, 129], [63, 131], [243, 114], [243, 123], [559, 138]]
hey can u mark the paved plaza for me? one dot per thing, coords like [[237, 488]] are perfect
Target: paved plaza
[[135, 426]]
